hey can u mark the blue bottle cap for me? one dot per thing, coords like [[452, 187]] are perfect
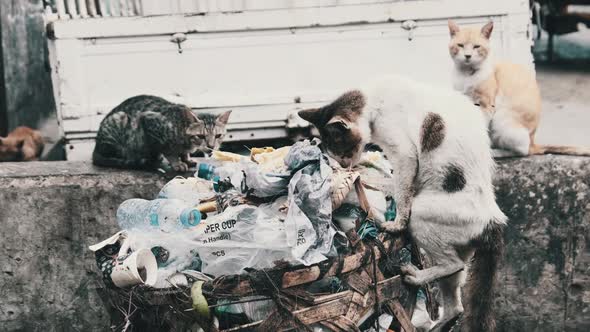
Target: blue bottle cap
[[216, 180], [190, 217], [205, 171]]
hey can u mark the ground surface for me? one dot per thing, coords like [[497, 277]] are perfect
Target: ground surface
[[565, 89]]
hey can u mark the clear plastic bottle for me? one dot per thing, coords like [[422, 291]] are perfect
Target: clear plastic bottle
[[168, 215], [230, 174]]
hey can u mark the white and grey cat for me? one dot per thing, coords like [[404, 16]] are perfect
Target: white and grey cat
[[440, 150], [143, 129]]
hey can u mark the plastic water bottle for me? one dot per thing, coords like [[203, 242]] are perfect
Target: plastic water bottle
[[223, 177], [168, 215], [207, 172]]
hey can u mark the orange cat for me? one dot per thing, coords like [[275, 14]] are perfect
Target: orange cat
[[22, 144], [507, 93]]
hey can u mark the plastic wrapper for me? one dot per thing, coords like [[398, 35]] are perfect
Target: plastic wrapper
[[259, 183], [376, 172], [309, 219], [191, 190], [269, 159], [307, 183], [241, 237], [349, 211]]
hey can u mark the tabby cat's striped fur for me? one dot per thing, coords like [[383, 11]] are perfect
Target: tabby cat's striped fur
[[143, 129]]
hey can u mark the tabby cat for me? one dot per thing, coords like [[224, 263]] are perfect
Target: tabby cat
[[143, 129]]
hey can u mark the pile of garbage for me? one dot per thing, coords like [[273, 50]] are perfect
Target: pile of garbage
[[238, 213], [291, 206]]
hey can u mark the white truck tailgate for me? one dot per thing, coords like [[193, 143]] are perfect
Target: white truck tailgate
[[262, 64]]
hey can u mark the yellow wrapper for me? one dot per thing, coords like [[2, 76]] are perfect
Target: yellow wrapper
[[257, 151], [227, 156], [273, 160]]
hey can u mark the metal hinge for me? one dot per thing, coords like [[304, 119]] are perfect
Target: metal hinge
[[409, 26], [178, 38]]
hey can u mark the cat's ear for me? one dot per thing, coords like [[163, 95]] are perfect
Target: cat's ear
[[338, 126], [194, 116], [195, 128], [486, 30], [223, 118], [453, 28], [312, 115]]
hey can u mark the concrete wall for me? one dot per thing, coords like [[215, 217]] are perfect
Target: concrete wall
[[545, 282], [51, 212]]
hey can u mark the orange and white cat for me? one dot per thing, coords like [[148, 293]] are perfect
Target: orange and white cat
[[22, 144], [507, 93]]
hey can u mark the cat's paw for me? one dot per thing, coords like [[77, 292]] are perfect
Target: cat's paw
[[411, 274], [190, 162], [395, 227], [180, 167], [415, 278], [409, 269]]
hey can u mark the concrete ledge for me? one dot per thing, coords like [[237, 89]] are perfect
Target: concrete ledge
[[545, 282], [51, 212]]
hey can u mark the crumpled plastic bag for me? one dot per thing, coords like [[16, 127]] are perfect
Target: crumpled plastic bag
[[346, 215], [307, 183], [242, 237], [259, 183], [191, 190], [376, 171], [309, 219]]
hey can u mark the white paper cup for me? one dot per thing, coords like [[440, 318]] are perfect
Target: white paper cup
[[140, 267]]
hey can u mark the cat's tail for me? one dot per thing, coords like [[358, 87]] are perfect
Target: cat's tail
[[560, 149], [479, 289]]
